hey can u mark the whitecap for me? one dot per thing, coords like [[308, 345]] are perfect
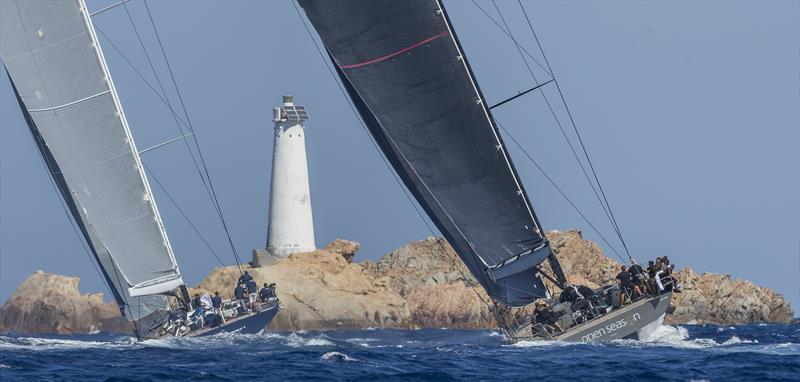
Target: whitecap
[[336, 356], [319, 342], [735, 340], [363, 342], [542, 343], [296, 341]]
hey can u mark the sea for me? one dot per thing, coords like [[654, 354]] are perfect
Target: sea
[[674, 353]]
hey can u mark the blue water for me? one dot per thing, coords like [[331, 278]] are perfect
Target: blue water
[[682, 353]]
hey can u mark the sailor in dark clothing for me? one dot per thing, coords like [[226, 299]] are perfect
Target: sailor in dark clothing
[[244, 278], [626, 282], [651, 269], [196, 302], [267, 292], [216, 301], [637, 272], [240, 295], [544, 316], [638, 275], [252, 287]]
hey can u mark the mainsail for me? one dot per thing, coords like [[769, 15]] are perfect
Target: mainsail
[[406, 73], [64, 88]]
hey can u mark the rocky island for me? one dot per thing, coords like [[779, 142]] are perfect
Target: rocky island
[[421, 284]]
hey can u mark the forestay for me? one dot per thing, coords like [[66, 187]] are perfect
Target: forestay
[[65, 91], [407, 74]]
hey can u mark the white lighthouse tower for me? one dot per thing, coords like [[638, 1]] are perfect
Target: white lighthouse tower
[[291, 225]]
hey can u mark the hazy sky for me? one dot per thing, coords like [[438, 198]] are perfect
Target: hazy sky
[[689, 111]]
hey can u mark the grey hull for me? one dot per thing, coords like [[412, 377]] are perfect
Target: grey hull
[[635, 321]]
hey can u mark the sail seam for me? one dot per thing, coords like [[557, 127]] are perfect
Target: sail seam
[[396, 53], [69, 103]]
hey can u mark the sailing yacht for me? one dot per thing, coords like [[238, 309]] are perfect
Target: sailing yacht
[[65, 91], [405, 72]]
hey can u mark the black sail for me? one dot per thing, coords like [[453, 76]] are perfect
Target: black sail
[[405, 71]]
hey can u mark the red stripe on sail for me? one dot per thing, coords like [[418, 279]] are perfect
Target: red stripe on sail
[[388, 56]]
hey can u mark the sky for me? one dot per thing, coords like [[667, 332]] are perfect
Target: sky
[[689, 111]]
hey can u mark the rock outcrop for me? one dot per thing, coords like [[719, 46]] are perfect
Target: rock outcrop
[[711, 298], [346, 248], [48, 303], [421, 284]]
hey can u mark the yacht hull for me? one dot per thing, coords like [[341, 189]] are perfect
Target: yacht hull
[[635, 321]]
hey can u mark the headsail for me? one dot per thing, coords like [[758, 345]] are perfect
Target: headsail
[[61, 80], [407, 74]]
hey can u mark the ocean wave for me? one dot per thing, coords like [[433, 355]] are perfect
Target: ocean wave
[[296, 341], [735, 340], [44, 344], [336, 356], [216, 341], [678, 337], [363, 342]]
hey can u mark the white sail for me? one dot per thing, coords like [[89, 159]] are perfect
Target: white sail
[[54, 60]]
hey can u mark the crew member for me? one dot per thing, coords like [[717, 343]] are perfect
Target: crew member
[[267, 292], [198, 310], [638, 276], [216, 301], [196, 304], [245, 277], [252, 287], [544, 316], [626, 282], [240, 294]]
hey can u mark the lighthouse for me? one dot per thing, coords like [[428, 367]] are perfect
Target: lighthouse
[[291, 225]]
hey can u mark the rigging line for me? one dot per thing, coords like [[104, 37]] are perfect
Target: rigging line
[[507, 34], [186, 217], [361, 122], [520, 94], [558, 122], [161, 98], [152, 67], [99, 11], [141, 76], [194, 138], [169, 104], [575, 127], [552, 182]]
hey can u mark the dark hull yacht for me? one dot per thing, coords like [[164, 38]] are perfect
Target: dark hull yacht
[[406, 74], [637, 321]]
